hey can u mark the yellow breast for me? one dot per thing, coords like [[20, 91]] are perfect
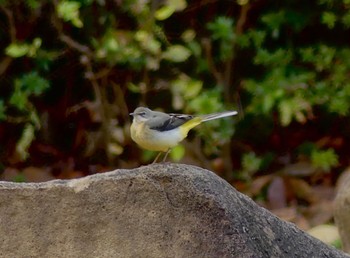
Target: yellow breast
[[160, 140], [155, 140]]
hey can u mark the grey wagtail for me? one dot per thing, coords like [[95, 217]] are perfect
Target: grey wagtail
[[157, 131]]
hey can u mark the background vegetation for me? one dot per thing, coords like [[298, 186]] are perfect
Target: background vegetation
[[71, 71]]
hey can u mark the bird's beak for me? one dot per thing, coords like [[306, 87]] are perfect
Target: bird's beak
[[131, 114]]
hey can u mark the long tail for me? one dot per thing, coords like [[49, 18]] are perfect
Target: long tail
[[218, 115], [199, 119]]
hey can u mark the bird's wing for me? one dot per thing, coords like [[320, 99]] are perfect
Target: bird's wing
[[173, 121]]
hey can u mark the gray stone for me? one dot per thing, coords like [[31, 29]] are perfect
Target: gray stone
[[161, 210], [342, 209]]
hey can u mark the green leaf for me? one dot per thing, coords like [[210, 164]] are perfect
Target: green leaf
[[294, 107], [188, 35], [16, 50], [178, 5], [286, 112], [346, 19], [267, 103], [24, 142], [185, 89], [148, 42], [19, 98], [176, 53], [274, 21], [2, 110], [32, 83], [177, 153], [307, 54], [196, 50], [243, 40], [329, 19], [257, 37], [148, 155], [222, 29], [164, 12], [339, 104], [133, 87], [34, 118], [28, 84], [242, 2], [322, 57], [276, 58], [69, 12], [251, 163], [33, 48], [324, 159], [337, 244], [20, 178], [194, 87], [169, 8], [33, 4], [325, 57]]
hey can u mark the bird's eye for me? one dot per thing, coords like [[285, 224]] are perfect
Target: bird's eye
[[142, 114]]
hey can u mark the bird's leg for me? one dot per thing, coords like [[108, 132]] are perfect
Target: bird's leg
[[155, 160], [166, 155]]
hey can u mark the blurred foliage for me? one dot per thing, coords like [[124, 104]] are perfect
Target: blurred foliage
[[71, 71], [69, 12]]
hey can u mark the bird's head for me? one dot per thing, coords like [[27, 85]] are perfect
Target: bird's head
[[141, 114]]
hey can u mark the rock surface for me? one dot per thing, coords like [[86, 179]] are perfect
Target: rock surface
[[342, 209], [161, 210]]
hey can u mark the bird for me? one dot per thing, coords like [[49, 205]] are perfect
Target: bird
[[158, 131]]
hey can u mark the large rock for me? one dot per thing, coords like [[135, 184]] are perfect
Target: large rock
[[342, 209], [162, 210]]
